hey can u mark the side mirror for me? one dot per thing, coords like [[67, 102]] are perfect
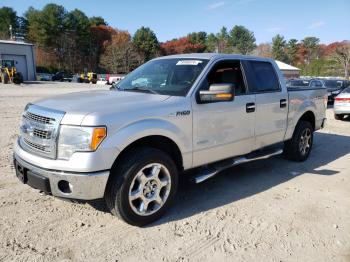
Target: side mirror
[[217, 93]]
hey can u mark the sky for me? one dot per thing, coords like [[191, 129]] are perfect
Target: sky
[[328, 20]]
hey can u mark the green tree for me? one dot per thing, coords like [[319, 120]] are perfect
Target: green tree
[[212, 43], [278, 48], [8, 17], [198, 38], [242, 39], [146, 42], [223, 40], [97, 20], [311, 46], [292, 51]]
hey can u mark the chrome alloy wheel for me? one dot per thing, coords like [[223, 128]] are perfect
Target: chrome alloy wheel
[[305, 141], [149, 189]]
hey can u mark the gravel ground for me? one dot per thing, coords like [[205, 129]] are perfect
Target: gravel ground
[[269, 210]]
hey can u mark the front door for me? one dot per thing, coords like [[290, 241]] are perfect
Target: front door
[[223, 129]]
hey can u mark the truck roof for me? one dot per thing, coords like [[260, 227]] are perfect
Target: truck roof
[[210, 56]]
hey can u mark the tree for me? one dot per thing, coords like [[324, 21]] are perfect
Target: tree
[[342, 55], [263, 50], [212, 43], [8, 18], [223, 40], [146, 43], [120, 55], [311, 46], [100, 37], [278, 48], [97, 20], [199, 38], [242, 39], [292, 51], [181, 46]]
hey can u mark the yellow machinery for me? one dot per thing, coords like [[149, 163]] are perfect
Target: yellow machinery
[[88, 77], [8, 72]]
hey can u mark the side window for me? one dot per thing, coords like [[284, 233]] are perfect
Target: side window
[[319, 84], [313, 84], [226, 72], [264, 77]]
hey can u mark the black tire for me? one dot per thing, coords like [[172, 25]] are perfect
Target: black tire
[[293, 149], [18, 78], [121, 181], [338, 117], [4, 78]]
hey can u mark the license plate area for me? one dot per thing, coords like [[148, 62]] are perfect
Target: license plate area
[[21, 173], [32, 179]]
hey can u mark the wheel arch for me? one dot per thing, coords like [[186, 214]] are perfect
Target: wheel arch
[[159, 142], [308, 116]]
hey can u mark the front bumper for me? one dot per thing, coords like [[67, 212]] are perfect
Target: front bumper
[[86, 186]]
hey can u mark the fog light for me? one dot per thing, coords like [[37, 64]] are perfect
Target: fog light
[[65, 187]]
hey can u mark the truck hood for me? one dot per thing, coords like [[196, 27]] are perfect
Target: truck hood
[[79, 104]]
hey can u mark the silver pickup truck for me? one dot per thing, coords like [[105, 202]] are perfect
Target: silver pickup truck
[[175, 115]]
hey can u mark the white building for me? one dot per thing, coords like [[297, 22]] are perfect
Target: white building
[[22, 54], [288, 70]]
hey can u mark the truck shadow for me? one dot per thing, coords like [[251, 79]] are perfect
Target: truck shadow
[[252, 178], [248, 179]]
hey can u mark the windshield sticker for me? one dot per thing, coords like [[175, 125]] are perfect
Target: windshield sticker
[[189, 62]]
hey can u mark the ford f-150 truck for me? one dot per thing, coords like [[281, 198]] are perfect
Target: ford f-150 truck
[[175, 115]]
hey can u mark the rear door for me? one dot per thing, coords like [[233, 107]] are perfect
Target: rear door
[[271, 103]]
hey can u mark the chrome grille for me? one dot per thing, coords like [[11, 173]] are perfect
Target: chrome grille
[[38, 118], [42, 134], [39, 130], [36, 146]]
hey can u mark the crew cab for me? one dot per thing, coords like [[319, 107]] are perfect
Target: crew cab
[[193, 114]]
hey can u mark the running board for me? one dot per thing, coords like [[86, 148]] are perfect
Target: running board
[[214, 169]]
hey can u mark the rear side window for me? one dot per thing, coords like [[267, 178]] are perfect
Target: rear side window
[[263, 77]]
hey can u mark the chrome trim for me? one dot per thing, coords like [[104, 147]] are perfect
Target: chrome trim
[[85, 186]]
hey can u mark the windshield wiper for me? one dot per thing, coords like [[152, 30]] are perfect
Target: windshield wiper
[[142, 89]]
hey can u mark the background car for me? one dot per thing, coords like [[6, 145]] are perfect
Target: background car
[[335, 87], [342, 104], [300, 82], [62, 76]]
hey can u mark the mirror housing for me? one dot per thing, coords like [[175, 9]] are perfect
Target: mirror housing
[[217, 93]]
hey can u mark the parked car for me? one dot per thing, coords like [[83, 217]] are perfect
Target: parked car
[[44, 77], [342, 104], [195, 112], [111, 80], [335, 87], [63, 77], [300, 82]]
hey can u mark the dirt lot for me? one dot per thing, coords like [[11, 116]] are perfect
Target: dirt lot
[[269, 210]]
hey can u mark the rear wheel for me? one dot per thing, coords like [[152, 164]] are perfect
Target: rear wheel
[[142, 187], [299, 147], [338, 117]]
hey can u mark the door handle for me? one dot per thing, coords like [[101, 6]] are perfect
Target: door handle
[[250, 107], [283, 103]]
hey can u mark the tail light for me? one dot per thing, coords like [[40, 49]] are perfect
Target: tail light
[[342, 99]]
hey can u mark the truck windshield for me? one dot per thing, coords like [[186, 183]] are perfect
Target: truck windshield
[[171, 76]]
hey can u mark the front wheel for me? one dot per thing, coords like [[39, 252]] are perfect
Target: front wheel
[[142, 187], [299, 147]]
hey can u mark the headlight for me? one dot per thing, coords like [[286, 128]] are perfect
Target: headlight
[[79, 139]]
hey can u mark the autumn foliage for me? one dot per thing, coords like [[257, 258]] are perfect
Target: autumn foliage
[[181, 46]]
